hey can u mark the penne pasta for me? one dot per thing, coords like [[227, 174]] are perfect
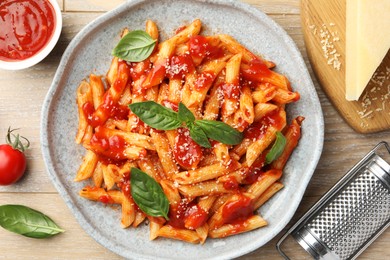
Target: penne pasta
[[189, 177]]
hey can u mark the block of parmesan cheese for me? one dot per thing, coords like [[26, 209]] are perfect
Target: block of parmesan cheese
[[367, 42]]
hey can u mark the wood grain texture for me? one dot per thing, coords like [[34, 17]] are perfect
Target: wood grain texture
[[323, 24], [22, 94]]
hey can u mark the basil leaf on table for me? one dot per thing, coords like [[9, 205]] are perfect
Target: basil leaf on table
[[27, 222], [185, 115], [199, 136], [220, 131], [135, 46], [148, 194], [277, 148], [156, 115]]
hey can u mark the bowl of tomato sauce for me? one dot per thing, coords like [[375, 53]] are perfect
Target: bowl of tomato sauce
[[29, 31]]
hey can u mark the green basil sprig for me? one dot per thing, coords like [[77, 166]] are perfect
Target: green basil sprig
[[277, 148], [162, 118], [27, 222], [148, 194], [156, 115], [220, 131], [135, 46]]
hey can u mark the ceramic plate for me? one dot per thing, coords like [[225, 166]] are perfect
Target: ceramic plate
[[90, 52]]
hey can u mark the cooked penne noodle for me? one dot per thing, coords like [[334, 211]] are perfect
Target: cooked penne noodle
[[283, 96], [234, 47], [155, 224], [231, 88], [267, 194], [97, 88], [128, 212], [221, 151], [202, 232], [267, 179], [179, 234], [205, 173], [231, 229], [292, 134], [151, 29], [203, 189], [268, 136], [263, 93], [262, 109], [204, 82], [87, 167], [164, 153], [84, 96], [97, 176]]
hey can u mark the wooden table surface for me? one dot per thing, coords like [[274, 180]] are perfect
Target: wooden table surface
[[21, 97]]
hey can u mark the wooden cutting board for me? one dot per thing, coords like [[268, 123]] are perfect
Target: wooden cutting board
[[323, 23]]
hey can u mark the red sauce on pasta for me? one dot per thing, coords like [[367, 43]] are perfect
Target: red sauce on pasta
[[200, 47], [106, 199], [231, 91], [237, 210], [110, 146], [186, 151], [179, 66], [256, 70], [259, 128], [231, 183], [255, 171], [110, 107], [187, 215], [125, 186], [26, 28], [204, 80], [195, 217], [155, 76]]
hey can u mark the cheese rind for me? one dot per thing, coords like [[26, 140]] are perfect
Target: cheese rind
[[368, 40]]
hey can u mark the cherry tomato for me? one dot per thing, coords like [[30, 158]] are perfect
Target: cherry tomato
[[12, 159]]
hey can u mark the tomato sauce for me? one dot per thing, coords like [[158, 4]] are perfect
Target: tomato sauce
[[259, 128], [237, 210], [204, 80], [109, 108], [26, 28], [256, 70], [231, 91], [186, 151], [109, 146], [231, 183], [179, 66], [255, 171], [106, 199], [187, 215], [125, 186], [200, 47]]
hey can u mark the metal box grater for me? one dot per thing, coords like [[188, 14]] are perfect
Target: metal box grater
[[349, 217]]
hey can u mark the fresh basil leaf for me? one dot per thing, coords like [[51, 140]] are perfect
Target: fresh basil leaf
[[185, 115], [135, 46], [27, 222], [156, 115], [277, 148], [148, 194], [220, 131], [199, 136]]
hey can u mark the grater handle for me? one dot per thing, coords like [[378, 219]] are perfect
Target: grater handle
[[280, 242]]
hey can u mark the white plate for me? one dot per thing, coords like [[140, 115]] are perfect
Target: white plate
[[90, 52]]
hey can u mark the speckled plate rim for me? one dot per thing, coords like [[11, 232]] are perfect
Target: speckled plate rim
[[57, 85]]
